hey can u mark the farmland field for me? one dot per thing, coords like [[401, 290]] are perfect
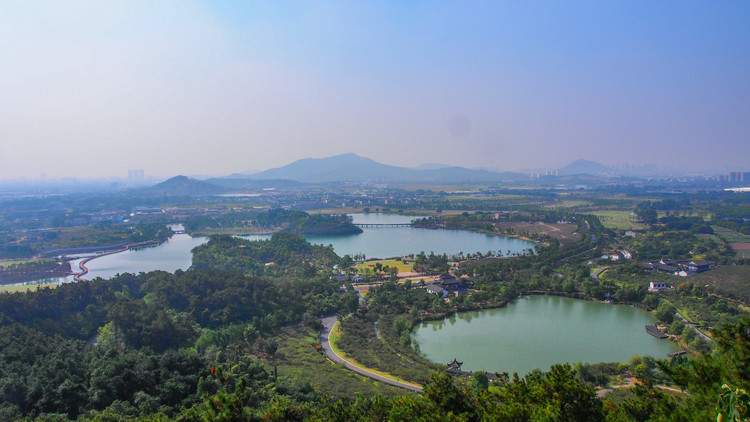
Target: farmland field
[[739, 242], [618, 220], [730, 280], [730, 235]]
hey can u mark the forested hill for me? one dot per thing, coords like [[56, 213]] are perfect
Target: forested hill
[[285, 253], [142, 344], [201, 345], [276, 219]]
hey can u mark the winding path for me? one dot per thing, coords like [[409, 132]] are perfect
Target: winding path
[[328, 324]]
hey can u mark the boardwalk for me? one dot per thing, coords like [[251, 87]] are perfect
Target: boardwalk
[[328, 324]]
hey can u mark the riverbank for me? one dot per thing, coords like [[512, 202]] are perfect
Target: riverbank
[[29, 270], [485, 232]]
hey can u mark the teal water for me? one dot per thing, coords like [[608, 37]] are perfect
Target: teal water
[[175, 254], [172, 255], [539, 331], [399, 241]]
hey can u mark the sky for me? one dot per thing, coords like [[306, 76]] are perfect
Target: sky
[[94, 88]]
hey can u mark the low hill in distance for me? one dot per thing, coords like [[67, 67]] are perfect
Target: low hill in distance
[[354, 168], [183, 186]]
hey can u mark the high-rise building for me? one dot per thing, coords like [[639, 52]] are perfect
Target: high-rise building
[[735, 177], [746, 177]]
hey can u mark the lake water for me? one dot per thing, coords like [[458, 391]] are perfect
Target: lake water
[[390, 242], [373, 242], [538, 331], [172, 255]]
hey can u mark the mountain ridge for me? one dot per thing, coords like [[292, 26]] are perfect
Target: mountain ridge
[[354, 168]]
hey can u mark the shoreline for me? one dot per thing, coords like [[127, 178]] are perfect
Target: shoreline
[[78, 276], [575, 295], [488, 233]]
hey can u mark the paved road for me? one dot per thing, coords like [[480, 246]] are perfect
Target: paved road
[[328, 324]]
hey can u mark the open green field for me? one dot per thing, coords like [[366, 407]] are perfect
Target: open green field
[[728, 280], [730, 235], [299, 362], [618, 220], [402, 268], [706, 216], [15, 288], [739, 242], [8, 262], [569, 203]]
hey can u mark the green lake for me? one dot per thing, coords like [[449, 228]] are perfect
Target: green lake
[[175, 254], [539, 331]]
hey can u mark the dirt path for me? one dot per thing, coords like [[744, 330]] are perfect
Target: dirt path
[[328, 324]]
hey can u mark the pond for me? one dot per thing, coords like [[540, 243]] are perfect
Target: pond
[[539, 331], [387, 242]]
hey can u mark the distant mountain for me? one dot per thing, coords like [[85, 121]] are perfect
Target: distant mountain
[[585, 167], [244, 183], [432, 166], [354, 168], [183, 186]]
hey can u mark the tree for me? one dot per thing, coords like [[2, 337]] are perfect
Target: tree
[[665, 312]]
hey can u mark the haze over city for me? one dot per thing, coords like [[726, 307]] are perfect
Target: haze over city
[[92, 89]]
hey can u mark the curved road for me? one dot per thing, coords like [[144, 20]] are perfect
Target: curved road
[[328, 324]]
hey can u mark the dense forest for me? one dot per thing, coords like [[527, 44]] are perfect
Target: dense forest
[[203, 344], [293, 221], [285, 253], [148, 342]]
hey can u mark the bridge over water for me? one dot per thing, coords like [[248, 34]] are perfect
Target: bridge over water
[[381, 225]]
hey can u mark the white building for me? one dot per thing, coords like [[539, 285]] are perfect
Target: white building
[[658, 286]]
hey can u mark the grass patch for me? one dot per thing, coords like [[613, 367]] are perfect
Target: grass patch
[[10, 262], [378, 348], [299, 362], [728, 280], [569, 203], [335, 336], [618, 220], [730, 235], [400, 265], [16, 288]]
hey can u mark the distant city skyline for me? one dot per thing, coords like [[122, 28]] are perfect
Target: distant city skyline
[[95, 89]]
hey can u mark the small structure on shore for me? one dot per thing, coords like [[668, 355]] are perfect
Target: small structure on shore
[[454, 367], [654, 331]]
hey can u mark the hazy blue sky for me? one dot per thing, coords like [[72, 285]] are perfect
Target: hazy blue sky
[[95, 88]]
